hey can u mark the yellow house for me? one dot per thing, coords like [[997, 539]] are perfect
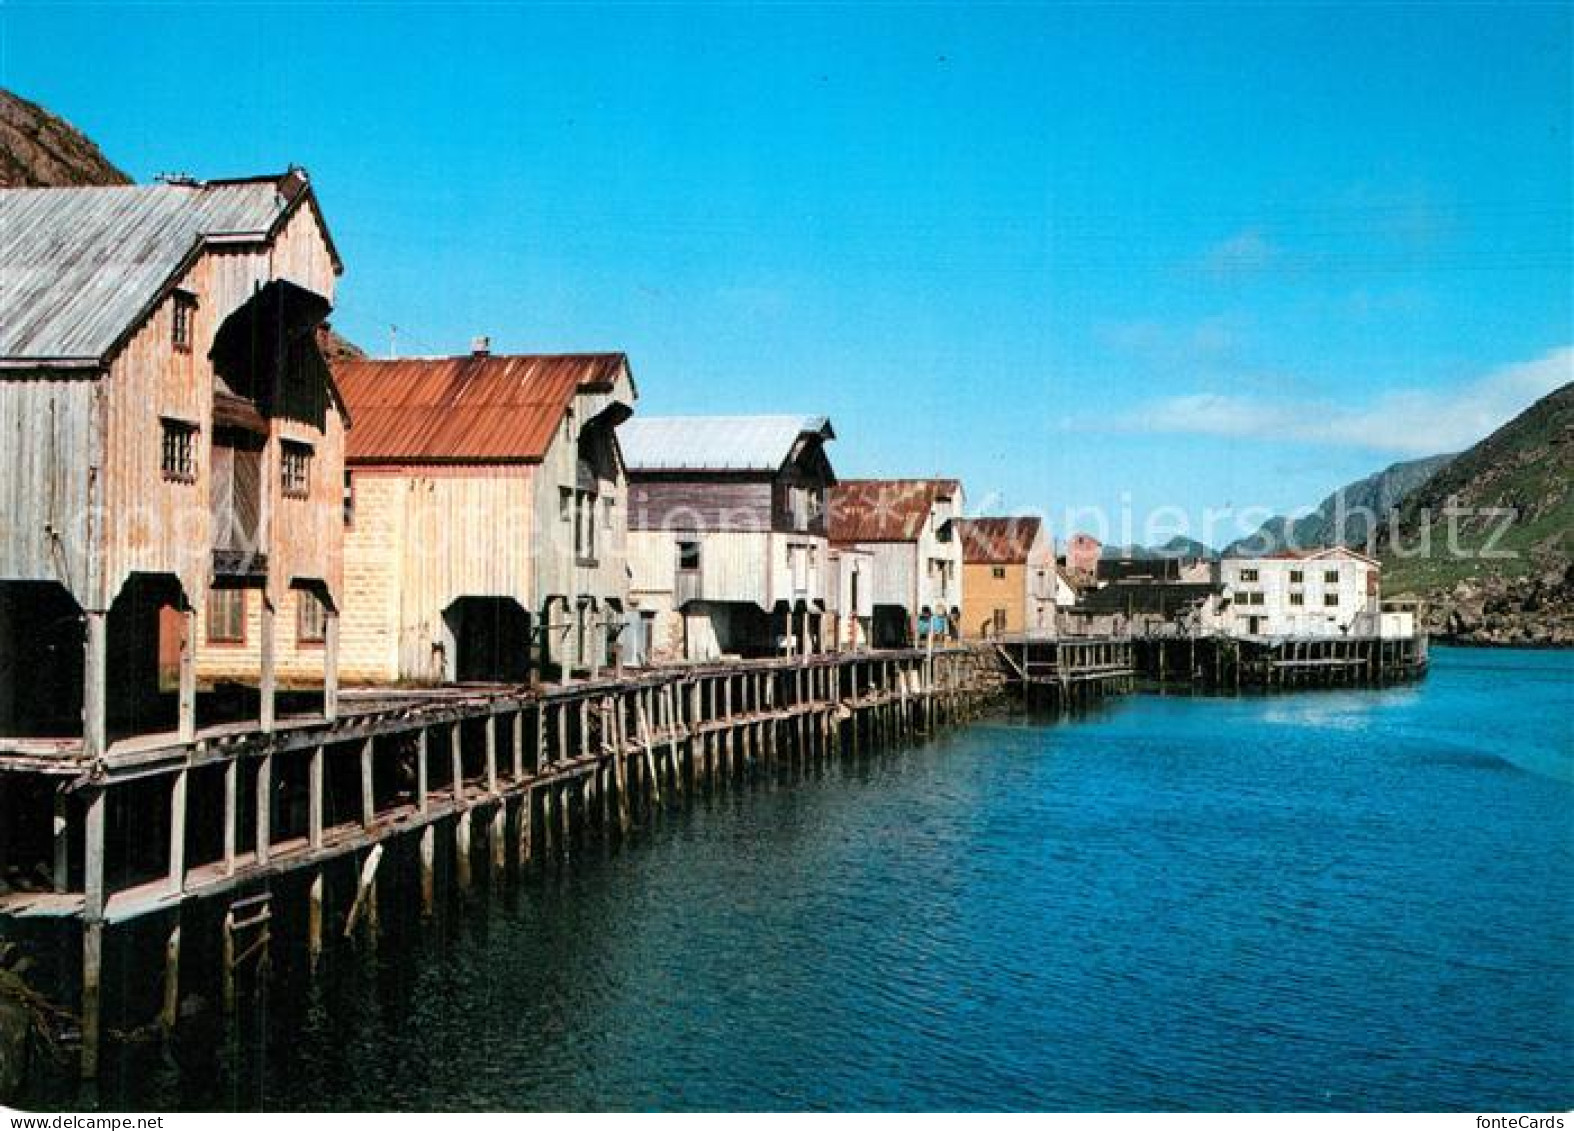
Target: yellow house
[[1009, 580]]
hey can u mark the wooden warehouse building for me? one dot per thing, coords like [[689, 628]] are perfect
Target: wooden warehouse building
[[727, 536], [907, 527], [173, 451], [485, 517]]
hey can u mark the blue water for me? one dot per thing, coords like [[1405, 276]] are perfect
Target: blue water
[[1329, 900]]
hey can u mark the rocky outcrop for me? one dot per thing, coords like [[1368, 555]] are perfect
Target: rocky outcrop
[[39, 149], [1534, 611]]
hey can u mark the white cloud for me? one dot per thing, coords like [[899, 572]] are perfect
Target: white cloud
[[1245, 251], [1406, 421]]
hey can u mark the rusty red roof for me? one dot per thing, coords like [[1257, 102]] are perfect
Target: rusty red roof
[[998, 541], [885, 510], [476, 408]]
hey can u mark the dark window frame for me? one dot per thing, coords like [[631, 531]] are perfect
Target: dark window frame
[[295, 469], [213, 635], [178, 450], [306, 601], [183, 321]]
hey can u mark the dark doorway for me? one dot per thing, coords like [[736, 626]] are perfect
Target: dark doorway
[[890, 627], [40, 660], [143, 616], [491, 640]]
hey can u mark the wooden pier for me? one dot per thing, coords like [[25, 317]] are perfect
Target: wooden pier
[[160, 828], [1222, 662], [1066, 672]]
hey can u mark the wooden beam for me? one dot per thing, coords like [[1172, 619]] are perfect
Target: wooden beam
[[268, 688], [177, 832], [330, 667], [95, 664], [314, 798], [368, 794], [186, 709], [264, 808]]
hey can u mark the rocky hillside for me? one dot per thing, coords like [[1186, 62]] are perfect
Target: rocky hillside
[[37, 148], [1346, 517], [1486, 540]]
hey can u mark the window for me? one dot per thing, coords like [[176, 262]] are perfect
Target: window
[[1331, 600], [1297, 598], [607, 514], [998, 573], [1297, 576], [311, 618], [999, 620], [585, 526], [565, 503], [349, 500], [180, 451], [1248, 575], [688, 556], [295, 468], [1331, 577], [226, 616], [182, 324]]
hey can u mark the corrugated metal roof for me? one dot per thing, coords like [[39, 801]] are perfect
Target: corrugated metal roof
[[79, 266], [885, 510], [998, 541], [715, 443], [502, 408]]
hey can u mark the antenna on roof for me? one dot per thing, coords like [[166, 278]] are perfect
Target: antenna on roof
[[393, 342], [184, 179]]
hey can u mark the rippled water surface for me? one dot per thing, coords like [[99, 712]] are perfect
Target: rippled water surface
[[1326, 900]]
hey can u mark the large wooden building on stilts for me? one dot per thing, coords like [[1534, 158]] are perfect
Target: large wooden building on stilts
[[485, 514], [172, 449]]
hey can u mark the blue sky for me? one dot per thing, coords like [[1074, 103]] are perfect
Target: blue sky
[[1113, 257]]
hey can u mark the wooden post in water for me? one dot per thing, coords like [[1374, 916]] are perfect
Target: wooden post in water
[[314, 920], [169, 1010]]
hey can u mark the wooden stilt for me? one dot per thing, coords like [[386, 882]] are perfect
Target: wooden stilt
[[169, 1010], [462, 875], [314, 920]]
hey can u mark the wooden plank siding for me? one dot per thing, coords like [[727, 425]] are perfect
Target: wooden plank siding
[[427, 534]]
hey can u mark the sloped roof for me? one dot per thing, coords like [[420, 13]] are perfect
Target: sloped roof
[[470, 409], [716, 443], [885, 510], [79, 267], [998, 541], [1314, 555]]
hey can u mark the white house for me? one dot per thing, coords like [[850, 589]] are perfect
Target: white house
[[1333, 592]]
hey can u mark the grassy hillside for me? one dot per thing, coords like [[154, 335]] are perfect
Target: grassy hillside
[[1524, 469], [1524, 594]]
